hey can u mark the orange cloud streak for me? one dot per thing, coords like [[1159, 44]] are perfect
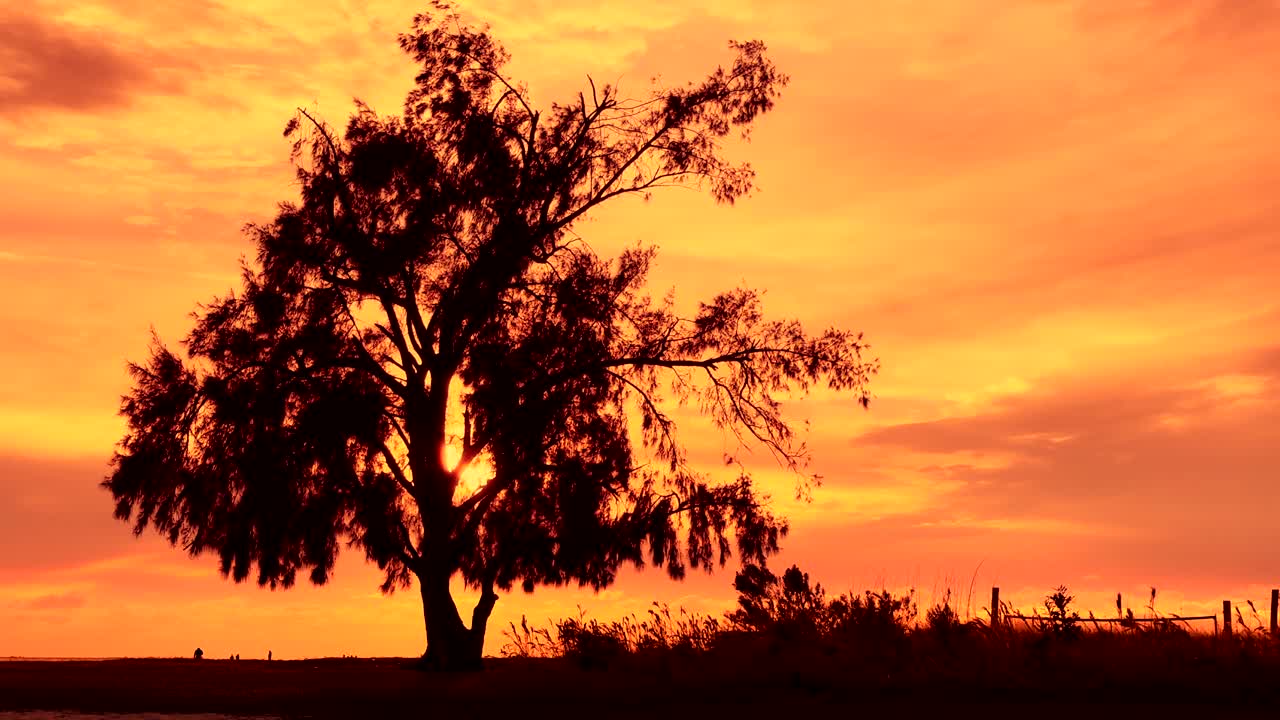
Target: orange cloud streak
[[1054, 221]]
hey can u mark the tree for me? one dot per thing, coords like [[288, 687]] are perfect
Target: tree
[[427, 363]]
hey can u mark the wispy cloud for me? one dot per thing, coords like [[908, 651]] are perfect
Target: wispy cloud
[[105, 265], [1051, 218], [57, 603], [46, 64]]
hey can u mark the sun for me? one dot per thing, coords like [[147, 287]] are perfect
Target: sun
[[473, 477]]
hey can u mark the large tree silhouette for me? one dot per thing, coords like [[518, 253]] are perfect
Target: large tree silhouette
[[425, 361]]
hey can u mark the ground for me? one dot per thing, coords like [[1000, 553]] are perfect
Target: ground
[[527, 688]]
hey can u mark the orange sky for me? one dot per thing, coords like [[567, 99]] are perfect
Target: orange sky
[[1055, 220]]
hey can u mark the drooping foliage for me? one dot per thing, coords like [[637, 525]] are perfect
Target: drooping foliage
[[426, 361]]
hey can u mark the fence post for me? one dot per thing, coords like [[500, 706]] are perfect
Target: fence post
[[995, 606], [1226, 618], [1275, 604], [1119, 607]]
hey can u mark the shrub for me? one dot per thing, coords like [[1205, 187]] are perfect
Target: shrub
[[876, 623], [1062, 621], [791, 608], [789, 605], [943, 623]]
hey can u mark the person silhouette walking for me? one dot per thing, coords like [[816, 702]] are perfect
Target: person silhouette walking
[[199, 653]]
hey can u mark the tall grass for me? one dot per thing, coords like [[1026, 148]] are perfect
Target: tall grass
[[595, 642]]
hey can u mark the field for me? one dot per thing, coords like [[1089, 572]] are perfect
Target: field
[[787, 649], [734, 682]]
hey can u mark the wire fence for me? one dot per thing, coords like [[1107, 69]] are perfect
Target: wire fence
[[1222, 624], [1170, 621]]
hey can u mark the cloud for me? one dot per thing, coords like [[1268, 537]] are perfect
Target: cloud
[[1046, 216], [1172, 477], [48, 65], [64, 601], [1226, 22], [54, 515]]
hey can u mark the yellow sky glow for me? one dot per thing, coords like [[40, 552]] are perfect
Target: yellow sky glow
[[1054, 221]]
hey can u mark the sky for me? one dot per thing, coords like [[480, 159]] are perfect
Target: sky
[[1055, 221]]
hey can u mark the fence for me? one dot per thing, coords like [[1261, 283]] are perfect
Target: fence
[[997, 616]]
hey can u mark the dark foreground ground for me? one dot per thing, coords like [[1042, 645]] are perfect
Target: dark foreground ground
[[554, 688]]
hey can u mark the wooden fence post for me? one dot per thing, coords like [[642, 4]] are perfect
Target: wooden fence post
[[995, 606], [1275, 604], [1226, 618]]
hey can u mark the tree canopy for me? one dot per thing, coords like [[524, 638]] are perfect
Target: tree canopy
[[426, 362]]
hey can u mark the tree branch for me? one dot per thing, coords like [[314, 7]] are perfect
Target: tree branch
[[397, 471]]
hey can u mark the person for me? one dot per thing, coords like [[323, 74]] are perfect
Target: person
[[268, 656], [199, 653]]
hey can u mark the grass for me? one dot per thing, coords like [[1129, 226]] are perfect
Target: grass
[[788, 648], [786, 631]]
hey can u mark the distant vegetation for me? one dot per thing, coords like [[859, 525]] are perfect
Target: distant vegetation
[[786, 631]]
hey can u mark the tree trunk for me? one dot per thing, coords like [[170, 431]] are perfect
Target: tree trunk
[[451, 646]]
